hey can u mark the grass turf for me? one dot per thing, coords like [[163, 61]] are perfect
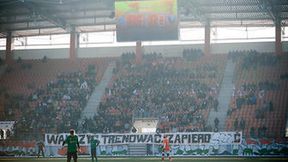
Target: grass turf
[[136, 159]]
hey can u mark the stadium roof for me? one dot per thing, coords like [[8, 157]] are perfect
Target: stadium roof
[[42, 17]]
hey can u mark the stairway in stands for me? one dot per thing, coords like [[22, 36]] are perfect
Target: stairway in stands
[[224, 97], [137, 149], [91, 108]]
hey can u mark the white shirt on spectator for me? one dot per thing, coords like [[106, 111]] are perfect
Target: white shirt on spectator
[[84, 85], [261, 93], [135, 92], [66, 97], [34, 97]]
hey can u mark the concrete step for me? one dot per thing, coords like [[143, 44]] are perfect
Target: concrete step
[[224, 97], [92, 106]]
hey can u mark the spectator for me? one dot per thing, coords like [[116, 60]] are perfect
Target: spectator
[[216, 122], [242, 124], [2, 133], [8, 133], [236, 124]]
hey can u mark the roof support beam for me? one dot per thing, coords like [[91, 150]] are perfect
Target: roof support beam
[[267, 7], [2, 34], [47, 26], [207, 44], [9, 48], [46, 15], [73, 44], [78, 16], [278, 43], [193, 8], [228, 3]]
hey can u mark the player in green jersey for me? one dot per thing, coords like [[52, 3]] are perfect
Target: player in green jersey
[[73, 145], [41, 148], [94, 143]]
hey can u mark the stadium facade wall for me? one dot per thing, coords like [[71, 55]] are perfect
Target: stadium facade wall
[[166, 50], [260, 47], [59, 53]]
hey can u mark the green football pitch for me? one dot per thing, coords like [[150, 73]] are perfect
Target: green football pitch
[[136, 159]]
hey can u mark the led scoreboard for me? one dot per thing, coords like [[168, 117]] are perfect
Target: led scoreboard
[[146, 20]]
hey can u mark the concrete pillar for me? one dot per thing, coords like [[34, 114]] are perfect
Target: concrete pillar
[[9, 48], [77, 41], [73, 44], [207, 44], [138, 55], [278, 43]]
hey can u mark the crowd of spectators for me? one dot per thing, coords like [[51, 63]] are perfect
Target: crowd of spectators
[[192, 54], [53, 108], [254, 91], [250, 93], [159, 87], [260, 132], [252, 59], [178, 91]]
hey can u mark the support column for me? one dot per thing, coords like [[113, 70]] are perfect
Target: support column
[[73, 44], [77, 41], [138, 55], [278, 43], [9, 48], [207, 44]]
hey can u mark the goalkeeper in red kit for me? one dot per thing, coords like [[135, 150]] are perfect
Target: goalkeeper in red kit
[[166, 148], [73, 146]]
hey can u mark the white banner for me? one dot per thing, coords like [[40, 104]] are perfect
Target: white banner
[[185, 138], [6, 125]]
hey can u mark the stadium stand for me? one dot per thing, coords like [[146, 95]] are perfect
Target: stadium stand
[[57, 58], [166, 88], [258, 105], [258, 97], [179, 91], [131, 91], [50, 88]]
